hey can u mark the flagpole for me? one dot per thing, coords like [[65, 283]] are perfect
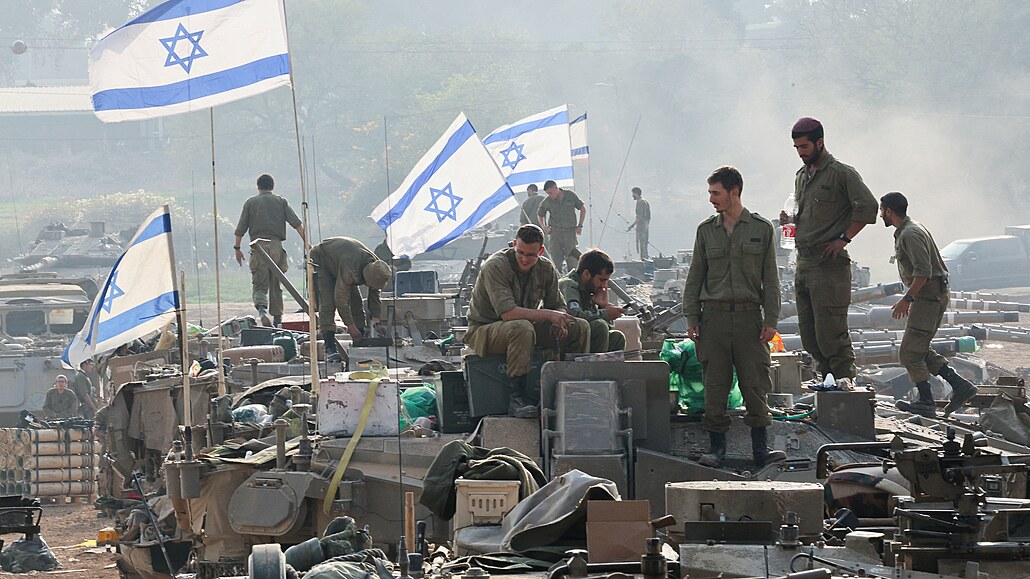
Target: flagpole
[[218, 261], [308, 267], [187, 396]]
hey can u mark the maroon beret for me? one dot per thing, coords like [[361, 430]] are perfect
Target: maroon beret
[[806, 125]]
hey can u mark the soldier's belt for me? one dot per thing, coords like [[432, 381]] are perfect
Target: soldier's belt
[[811, 251], [730, 306]]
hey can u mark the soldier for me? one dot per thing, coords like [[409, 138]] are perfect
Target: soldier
[[531, 205], [922, 270], [642, 222], [732, 303], [265, 216], [586, 292], [343, 264], [61, 402], [82, 386], [833, 206], [562, 225], [505, 314]]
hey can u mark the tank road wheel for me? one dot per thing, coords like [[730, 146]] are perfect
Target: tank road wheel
[[267, 562]]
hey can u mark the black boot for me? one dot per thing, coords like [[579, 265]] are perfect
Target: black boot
[[331, 354], [760, 448], [277, 321], [962, 390], [716, 450], [924, 406], [519, 405]]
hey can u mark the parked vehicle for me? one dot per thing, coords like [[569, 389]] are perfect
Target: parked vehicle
[[990, 262]]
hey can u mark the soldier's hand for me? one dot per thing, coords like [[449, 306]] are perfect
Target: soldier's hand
[[784, 218], [354, 331], [693, 332], [768, 333], [615, 312], [834, 247], [900, 309], [239, 256], [579, 229], [546, 228]]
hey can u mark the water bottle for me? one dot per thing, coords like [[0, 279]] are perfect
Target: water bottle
[[787, 230]]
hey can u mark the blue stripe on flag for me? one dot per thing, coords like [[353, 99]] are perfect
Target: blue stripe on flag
[[516, 130], [580, 151], [174, 9], [130, 318], [158, 226], [540, 175], [454, 143], [579, 119], [192, 89], [488, 205]]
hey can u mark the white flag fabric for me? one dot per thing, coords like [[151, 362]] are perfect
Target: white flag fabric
[[534, 149], [455, 187], [138, 297], [578, 137], [187, 55]]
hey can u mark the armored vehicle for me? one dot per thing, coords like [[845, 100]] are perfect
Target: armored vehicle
[[74, 251]]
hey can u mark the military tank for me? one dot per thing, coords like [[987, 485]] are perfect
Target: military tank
[[73, 251]]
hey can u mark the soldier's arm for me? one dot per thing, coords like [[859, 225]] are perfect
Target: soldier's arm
[[864, 205], [577, 309], [770, 284], [375, 304], [241, 227], [695, 278], [917, 249]]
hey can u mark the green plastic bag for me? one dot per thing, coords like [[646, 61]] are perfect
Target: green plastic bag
[[685, 377], [418, 402]]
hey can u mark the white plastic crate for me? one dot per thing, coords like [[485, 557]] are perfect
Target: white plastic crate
[[484, 502]]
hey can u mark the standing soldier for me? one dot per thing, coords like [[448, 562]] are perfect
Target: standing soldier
[[833, 206], [642, 221], [531, 205], [562, 225], [265, 216], [585, 290], [732, 303], [82, 386], [923, 271]]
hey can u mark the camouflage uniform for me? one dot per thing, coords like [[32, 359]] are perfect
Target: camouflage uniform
[[829, 201], [602, 337], [563, 221], [732, 291], [265, 216], [501, 288], [340, 262], [917, 255]]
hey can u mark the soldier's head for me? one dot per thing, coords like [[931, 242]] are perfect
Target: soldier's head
[[636, 192], [532, 190], [61, 382], [86, 365], [807, 133], [376, 274], [594, 269], [529, 246], [265, 182], [551, 188], [724, 187], [893, 209]]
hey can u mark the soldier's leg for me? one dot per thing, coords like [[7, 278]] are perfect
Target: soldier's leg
[[752, 360], [325, 289], [616, 340], [915, 352], [572, 258], [515, 339], [259, 281], [275, 288], [357, 308], [598, 336], [830, 289], [715, 352], [642, 240], [806, 315]]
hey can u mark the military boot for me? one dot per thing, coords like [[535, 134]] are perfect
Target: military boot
[[331, 354], [263, 316], [716, 450], [760, 448], [924, 406], [962, 390], [277, 321], [519, 405]]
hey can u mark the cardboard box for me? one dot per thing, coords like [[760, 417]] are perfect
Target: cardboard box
[[617, 530]]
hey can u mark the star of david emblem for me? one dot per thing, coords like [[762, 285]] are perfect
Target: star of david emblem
[[434, 204], [170, 43], [515, 148], [113, 292]]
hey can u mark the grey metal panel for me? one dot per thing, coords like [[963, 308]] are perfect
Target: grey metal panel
[[654, 470], [587, 418], [643, 387]]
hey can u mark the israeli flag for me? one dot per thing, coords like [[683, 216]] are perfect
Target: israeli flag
[[138, 297], [578, 137], [455, 187], [534, 149], [188, 55]]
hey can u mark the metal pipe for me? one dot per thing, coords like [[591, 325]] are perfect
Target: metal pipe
[[280, 443]]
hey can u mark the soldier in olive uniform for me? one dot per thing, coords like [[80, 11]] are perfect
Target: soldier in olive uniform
[[732, 303], [265, 216], [82, 386], [642, 222], [586, 292], [343, 264], [60, 401], [833, 206], [922, 270], [531, 205], [505, 314], [562, 226]]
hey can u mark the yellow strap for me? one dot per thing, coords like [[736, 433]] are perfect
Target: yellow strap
[[375, 374]]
